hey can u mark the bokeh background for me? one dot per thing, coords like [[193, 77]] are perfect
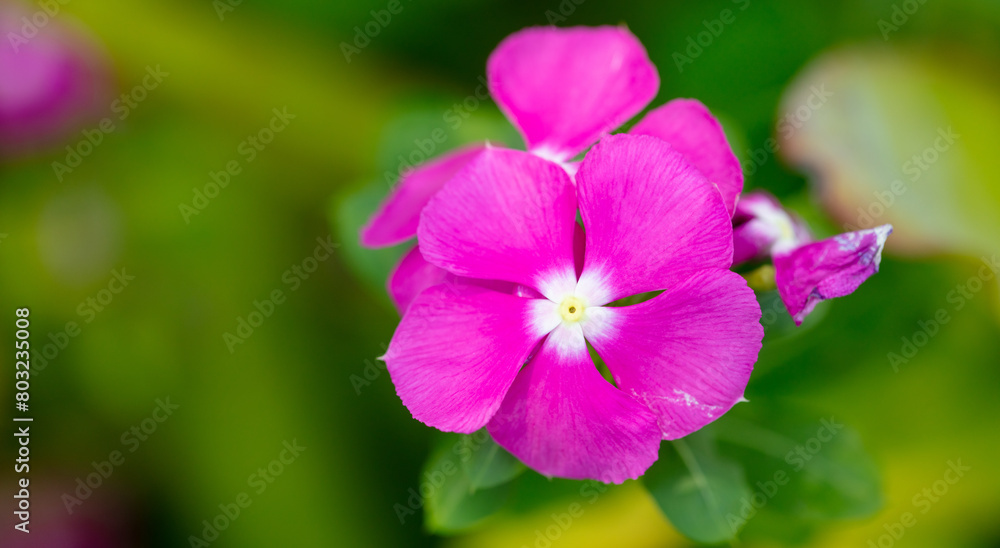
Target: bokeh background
[[893, 74]]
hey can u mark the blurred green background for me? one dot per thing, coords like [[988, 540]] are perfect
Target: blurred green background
[[307, 375]]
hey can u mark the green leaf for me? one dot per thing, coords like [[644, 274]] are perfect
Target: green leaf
[[803, 465], [347, 214], [452, 503], [700, 492], [488, 465]]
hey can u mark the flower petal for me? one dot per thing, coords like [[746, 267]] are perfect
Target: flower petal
[[411, 276], [457, 351], [397, 218], [829, 268], [508, 216], [650, 219], [414, 274], [691, 129], [565, 87], [563, 419], [53, 83], [687, 353], [762, 226]]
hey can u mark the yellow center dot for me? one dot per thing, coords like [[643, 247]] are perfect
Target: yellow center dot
[[571, 309]]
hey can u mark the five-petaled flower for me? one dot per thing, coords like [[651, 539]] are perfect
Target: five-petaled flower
[[508, 295], [467, 355]]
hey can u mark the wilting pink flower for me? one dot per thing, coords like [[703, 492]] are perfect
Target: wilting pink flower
[[806, 272], [53, 80], [563, 89], [465, 356]]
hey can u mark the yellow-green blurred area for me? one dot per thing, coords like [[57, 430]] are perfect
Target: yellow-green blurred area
[[307, 372]]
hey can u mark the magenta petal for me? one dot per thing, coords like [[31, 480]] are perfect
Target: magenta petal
[[687, 354], [457, 351], [508, 216], [565, 87], [691, 129], [397, 218], [411, 276], [649, 216], [54, 80], [563, 419], [829, 268]]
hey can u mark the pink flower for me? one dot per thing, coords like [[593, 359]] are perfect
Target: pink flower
[[51, 84], [563, 89], [466, 356], [806, 272]]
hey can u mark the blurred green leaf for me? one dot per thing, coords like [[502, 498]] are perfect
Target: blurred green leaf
[[801, 466], [700, 492], [490, 465], [347, 215], [453, 504]]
